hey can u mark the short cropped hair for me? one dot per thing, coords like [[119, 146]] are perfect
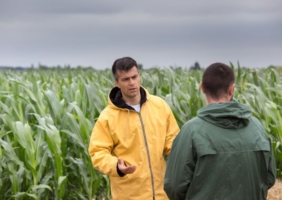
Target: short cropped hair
[[217, 78], [123, 64]]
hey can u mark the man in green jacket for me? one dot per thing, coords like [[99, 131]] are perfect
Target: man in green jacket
[[224, 152]]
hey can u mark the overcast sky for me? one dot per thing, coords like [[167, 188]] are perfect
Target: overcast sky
[[156, 33]]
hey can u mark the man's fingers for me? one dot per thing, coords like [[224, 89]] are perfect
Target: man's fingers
[[125, 169], [130, 169], [120, 161]]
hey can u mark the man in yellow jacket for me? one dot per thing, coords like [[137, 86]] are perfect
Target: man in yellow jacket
[[131, 137]]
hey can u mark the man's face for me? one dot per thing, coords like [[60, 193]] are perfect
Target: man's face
[[129, 83]]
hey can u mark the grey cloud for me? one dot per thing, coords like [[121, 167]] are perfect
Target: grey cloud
[[165, 7], [13, 8], [164, 33]]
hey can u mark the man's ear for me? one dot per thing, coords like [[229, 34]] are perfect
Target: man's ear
[[231, 89], [202, 87], [116, 83]]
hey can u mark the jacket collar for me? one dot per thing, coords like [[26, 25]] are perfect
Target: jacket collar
[[115, 97]]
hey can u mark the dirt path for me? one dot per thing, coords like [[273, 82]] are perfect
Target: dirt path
[[275, 193]]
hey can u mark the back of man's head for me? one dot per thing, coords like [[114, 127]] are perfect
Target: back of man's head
[[217, 79], [123, 64]]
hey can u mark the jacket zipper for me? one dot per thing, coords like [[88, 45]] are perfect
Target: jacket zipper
[[148, 155]]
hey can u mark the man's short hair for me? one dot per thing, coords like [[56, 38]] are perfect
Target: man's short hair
[[217, 78], [123, 64]]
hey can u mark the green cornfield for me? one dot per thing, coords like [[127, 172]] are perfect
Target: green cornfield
[[46, 118]]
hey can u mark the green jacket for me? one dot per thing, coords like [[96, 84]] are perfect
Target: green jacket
[[223, 153]]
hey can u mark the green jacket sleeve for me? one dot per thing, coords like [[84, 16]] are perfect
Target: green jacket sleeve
[[180, 166], [271, 169]]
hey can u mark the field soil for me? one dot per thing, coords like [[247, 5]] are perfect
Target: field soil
[[275, 193]]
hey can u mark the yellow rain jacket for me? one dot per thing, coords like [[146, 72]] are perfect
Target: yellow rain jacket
[[140, 139]]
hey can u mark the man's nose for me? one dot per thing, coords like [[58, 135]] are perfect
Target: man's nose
[[131, 81]]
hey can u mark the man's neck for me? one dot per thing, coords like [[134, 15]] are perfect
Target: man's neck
[[220, 100], [133, 101]]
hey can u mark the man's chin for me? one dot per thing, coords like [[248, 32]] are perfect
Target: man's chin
[[132, 95]]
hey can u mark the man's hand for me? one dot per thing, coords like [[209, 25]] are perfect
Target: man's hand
[[125, 169]]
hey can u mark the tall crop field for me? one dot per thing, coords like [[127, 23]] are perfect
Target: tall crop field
[[46, 118]]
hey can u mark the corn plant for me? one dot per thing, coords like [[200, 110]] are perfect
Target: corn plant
[[46, 119]]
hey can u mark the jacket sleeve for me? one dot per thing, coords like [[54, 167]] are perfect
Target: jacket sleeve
[[271, 169], [172, 130], [180, 167], [100, 148]]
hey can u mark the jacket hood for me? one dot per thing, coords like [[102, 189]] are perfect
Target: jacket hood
[[115, 98], [229, 115]]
